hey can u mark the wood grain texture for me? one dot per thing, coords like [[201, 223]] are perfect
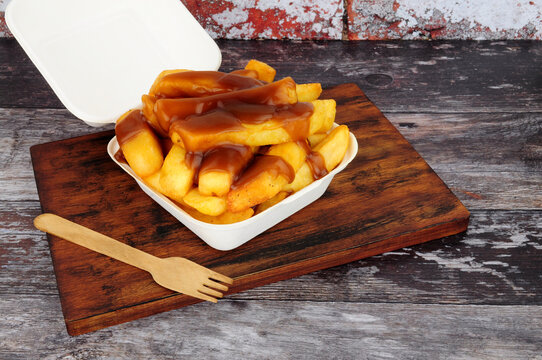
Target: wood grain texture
[[435, 93], [386, 199], [283, 330], [489, 264], [443, 76], [472, 153]]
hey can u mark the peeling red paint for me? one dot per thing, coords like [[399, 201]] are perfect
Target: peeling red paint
[[4, 31], [308, 19], [366, 19]]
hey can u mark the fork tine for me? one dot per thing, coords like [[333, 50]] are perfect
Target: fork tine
[[219, 277], [208, 291], [213, 284], [198, 294]]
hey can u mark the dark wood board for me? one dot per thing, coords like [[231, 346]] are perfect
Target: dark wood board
[[386, 199]]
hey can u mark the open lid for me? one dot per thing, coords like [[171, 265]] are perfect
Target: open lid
[[100, 56]]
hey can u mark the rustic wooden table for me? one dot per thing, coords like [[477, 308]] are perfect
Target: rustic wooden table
[[473, 110]]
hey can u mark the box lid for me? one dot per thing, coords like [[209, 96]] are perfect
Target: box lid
[[100, 56]]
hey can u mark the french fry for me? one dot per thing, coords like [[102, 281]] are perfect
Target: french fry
[[201, 83], [308, 92], [265, 72], [267, 133], [334, 146], [208, 205], [262, 181], [152, 90], [291, 152], [271, 202], [323, 116], [226, 217], [148, 110], [246, 72], [138, 143], [220, 167], [280, 92], [315, 139], [154, 181], [303, 177], [261, 188], [176, 177]]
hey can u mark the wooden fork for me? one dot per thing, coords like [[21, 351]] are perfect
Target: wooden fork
[[175, 273]]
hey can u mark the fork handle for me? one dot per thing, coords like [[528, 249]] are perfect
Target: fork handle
[[90, 239]]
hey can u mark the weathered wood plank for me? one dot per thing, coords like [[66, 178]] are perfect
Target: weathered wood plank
[[280, 330], [21, 84], [403, 76], [482, 157], [488, 160], [441, 76], [490, 264]]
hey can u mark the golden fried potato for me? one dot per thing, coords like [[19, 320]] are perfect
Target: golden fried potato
[[226, 217], [216, 183], [261, 188], [266, 176], [308, 92], [334, 146], [208, 205], [220, 167], [154, 181], [152, 90], [201, 83], [176, 177], [148, 111], [246, 72], [303, 177], [280, 92], [267, 133], [271, 202], [291, 152], [323, 116], [139, 144], [265, 72], [315, 139]]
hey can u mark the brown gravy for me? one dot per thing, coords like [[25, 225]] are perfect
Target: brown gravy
[[314, 160], [131, 125], [170, 110], [230, 159], [204, 83], [215, 103], [199, 132]]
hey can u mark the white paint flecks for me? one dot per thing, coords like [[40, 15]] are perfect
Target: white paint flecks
[[443, 19], [494, 15], [363, 271], [230, 17], [497, 263], [514, 241], [469, 265], [4, 4]]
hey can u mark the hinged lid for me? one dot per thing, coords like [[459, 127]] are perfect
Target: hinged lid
[[100, 56]]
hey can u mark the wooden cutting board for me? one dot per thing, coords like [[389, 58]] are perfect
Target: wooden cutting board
[[386, 199]]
